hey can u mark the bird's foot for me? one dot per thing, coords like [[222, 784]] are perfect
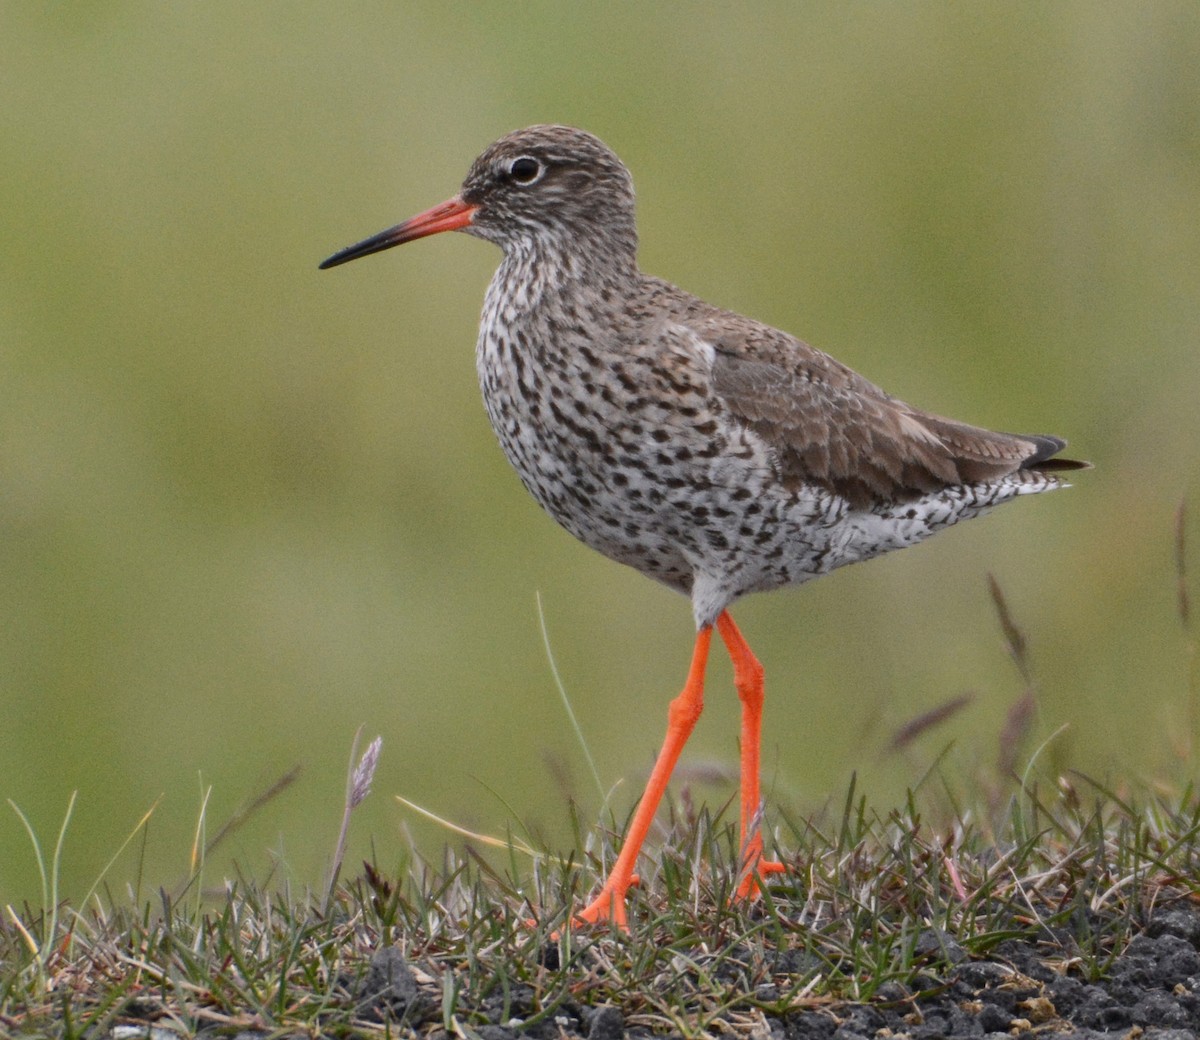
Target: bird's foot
[[753, 874], [608, 906]]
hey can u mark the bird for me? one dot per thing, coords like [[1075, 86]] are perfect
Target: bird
[[709, 451]]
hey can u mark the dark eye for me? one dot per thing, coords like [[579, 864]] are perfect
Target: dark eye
[[525, 170]]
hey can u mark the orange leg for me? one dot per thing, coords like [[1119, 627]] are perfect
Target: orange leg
[[682, 714], [748, 678]]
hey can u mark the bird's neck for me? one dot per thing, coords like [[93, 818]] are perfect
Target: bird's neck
[[535, 270], [536, 293]]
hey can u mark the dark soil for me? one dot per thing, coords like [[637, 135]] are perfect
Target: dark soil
[[1151, 991]]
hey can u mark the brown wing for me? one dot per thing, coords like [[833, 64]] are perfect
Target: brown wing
[[831, 427]]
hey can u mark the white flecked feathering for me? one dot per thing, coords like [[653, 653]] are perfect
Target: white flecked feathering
[[709, 451], [599, 383]]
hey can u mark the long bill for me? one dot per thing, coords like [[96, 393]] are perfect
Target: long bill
[[452, 215]]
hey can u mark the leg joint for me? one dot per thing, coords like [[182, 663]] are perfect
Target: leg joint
[[683, 712], [748, 677]]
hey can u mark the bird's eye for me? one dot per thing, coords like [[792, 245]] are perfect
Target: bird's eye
[[525, 170]]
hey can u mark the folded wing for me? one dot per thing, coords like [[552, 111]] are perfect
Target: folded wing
[[829, 426]]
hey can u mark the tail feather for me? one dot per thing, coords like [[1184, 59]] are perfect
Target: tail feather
[[1043, 458]]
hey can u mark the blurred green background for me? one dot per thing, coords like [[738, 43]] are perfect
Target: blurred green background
[[246, 506]]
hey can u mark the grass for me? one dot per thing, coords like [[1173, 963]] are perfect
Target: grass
[[875, 905], [871, 901]]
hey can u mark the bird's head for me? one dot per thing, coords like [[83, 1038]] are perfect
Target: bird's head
[[544, 188]]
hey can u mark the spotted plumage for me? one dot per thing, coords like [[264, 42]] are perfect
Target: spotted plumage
[[711, 452]]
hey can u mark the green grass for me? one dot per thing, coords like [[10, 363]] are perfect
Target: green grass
[[870, 900]]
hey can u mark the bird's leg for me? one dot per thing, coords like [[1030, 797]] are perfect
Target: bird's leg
[[682, 714], [748, 678]]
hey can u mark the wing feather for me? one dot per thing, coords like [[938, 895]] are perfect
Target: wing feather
[[829, 426]]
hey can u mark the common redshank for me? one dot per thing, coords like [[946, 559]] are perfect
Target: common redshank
[[707, 450]]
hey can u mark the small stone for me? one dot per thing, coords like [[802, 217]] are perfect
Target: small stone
[[983, 974], [1159, 1009], [993, 1019], [389, 986], [936, 944], [1184, 924], [607, 1023], [891, 992]]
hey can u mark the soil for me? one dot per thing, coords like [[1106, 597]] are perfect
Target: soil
[[1151, 991]]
